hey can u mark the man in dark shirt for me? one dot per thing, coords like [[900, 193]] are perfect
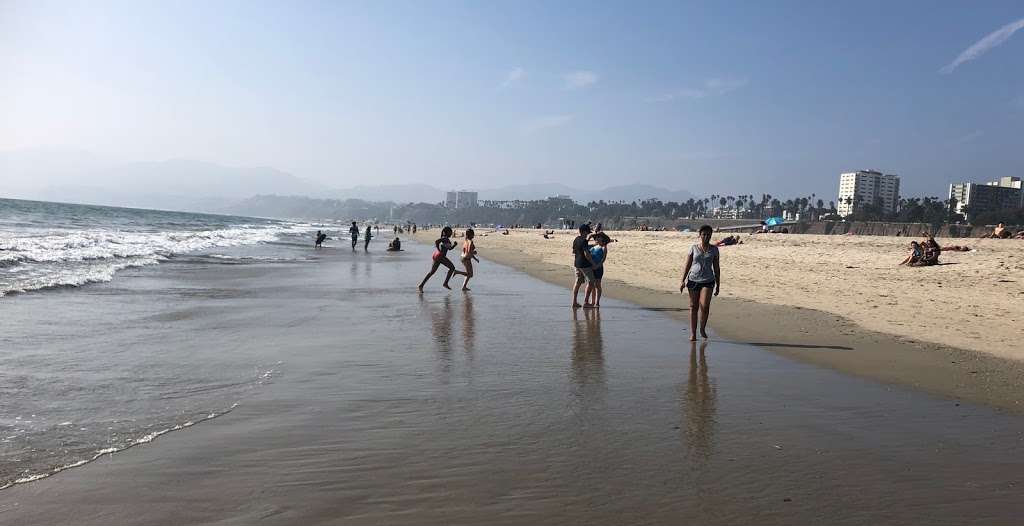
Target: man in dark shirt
[[584, 265], [354, 232]]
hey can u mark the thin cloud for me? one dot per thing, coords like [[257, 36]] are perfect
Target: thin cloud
[[545, 122], [711, 88], [970, 137], [578, 79], [984, 45], [513, 77]]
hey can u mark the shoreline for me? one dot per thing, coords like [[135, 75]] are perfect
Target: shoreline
[[811, 336]]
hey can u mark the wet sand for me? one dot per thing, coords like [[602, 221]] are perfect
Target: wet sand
[[501, 406], [807, 334]]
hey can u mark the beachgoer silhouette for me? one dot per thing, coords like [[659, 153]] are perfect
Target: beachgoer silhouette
[[320, 237], [366, 238], [354, 232]]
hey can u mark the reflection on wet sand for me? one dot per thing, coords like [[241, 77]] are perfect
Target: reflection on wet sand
[[468, 327], [441, 330], [699, 399], [587, 355]]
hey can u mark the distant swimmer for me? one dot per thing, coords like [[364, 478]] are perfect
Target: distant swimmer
[[354, 232], [320, 238], [367, 236], [468, 256], [440, 257], [702, 277], [395, 245]]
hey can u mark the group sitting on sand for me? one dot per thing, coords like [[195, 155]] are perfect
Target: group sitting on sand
[[927, 252]]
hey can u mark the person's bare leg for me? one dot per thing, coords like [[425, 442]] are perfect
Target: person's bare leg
[[576, 291], [448, 277], [597, 293], [469, 273], [433, 269], [451, 272], [694, 312], [705, 310]]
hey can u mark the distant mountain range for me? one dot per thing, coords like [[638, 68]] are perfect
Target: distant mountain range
[[181, 184]]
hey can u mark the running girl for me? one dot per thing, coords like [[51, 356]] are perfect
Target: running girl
[[468, 256], [440, 257]]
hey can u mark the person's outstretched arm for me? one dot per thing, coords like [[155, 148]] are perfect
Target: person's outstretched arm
[[686, 271]]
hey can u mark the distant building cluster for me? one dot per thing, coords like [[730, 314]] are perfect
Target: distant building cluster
[[520, 204], [460, 199], [971, 199], [867, 187]]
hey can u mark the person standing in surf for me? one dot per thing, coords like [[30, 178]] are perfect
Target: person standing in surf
[[440, 257], [702, 278], [468, 256], [367, 236], [354, 232]]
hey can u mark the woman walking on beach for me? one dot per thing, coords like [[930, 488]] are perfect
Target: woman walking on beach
[[701, 275], [440, 257], [468, 256], [367, 236]]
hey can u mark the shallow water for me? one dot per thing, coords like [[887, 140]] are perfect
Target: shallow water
[[500, 405]]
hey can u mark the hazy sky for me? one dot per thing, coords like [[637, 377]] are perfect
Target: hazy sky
[[736, 98]]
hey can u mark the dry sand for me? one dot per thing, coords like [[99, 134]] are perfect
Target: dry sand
[[800, 294]]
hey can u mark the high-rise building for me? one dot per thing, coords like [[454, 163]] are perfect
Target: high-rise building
[[464, 199], [866, 187], [460, 199], [972, 199]]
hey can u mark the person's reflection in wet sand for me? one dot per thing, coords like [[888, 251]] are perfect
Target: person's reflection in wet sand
[[699, 400], [587, 357], [468, 328], [441, 327]]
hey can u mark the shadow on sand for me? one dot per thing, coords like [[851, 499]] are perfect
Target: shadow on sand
[[794, 345]]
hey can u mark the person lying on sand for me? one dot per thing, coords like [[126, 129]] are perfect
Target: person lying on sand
[[1020, 235], [729, 241], [956, 248]]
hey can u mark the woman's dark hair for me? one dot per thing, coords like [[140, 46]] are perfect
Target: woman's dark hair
[[705, 228], [470, 233], [446, 231]]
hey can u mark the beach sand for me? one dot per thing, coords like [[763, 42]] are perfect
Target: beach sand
[[955, 329], [502, 406]]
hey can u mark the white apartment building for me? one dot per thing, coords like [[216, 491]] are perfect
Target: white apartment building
[[867, 187], [460, 199], [992, 196]]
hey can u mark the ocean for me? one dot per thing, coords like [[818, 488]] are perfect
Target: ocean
[[84, 372]]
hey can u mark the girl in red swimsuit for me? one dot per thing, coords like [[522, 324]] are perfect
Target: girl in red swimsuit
[[440, 257]]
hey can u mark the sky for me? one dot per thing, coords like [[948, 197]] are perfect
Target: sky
[[711, 97]]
